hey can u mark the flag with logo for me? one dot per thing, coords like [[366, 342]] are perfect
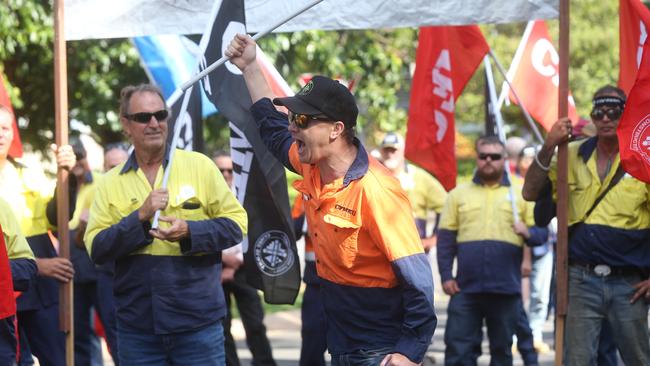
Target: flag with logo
[[634, 22], [446, 58], [7, 302], [634, 127], [534, 74], [271, 260], [16, 148]]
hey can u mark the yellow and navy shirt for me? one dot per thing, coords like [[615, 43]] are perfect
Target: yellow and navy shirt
[[28, 192], [367, 248], [617, 232], [166, 287], [425, 193], [476, 229], [21, 258]]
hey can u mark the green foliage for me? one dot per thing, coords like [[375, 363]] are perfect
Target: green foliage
[[97, 69], [380, 61]]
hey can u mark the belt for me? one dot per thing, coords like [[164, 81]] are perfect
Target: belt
[[604, 270]]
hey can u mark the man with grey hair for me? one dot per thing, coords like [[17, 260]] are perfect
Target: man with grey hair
[[168, 296]]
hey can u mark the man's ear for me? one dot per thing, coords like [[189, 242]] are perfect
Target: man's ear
[[125, 126], [337, 130]]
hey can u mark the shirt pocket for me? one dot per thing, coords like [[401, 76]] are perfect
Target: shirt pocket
[[343, 237], [189, 209]]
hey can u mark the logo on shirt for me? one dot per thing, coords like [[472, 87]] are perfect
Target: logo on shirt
[[345, 209], [273, 253]]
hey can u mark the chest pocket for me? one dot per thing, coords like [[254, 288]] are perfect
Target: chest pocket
[[191, 209], [342, 240], [122, 209]]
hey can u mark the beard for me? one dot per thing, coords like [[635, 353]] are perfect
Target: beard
[[490, 175]]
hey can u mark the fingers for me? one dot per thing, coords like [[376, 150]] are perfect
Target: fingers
[[65, 157], [642, 291]]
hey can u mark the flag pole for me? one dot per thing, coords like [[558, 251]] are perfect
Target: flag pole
[[529, 119], [186, 85], [179, 91], [62, 205], [501, 133], [562, 191]]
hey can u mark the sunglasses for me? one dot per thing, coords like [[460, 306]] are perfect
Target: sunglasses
[[229, 171], [613, 114], [302, 120], [493, 157], [145, 117]]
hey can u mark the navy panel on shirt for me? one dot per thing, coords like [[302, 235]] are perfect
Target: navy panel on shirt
[[600, 244]]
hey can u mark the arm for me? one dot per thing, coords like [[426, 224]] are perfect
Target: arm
[[401, 246], [273, 130], [536, 177], [21, 258]]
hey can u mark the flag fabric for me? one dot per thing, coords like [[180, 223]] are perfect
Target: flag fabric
[[534, 75], [190, 136], [16, 148], [634, 127], [169, 61], [446, 58], [634, 22], [271, 260], [7, 302], [87, 19]]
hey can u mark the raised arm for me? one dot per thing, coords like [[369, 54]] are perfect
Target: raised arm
[[537, 175], [242, 52]]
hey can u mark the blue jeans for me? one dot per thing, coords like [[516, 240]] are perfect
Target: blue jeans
[[593, 300], [465, 316], [361, 357], [540, 293], [314, 325], [202, 347]]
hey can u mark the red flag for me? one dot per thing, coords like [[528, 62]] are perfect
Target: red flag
[[7, 302], [634, 21], [16, 148], [634, 128], [534, 74], [445, 61]]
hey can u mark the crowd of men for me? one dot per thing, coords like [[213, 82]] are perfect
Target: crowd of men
[[162, 285]]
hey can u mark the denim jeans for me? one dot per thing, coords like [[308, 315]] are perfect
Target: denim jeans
[[594, 299], [202, 347], [540, 293], [465, 316], [361, 357]]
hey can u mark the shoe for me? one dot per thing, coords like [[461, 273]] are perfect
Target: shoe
[[541, 347]]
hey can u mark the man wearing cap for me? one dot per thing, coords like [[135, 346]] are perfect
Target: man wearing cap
[[168, 295], [367, 246], [609, 220], [424, 191]]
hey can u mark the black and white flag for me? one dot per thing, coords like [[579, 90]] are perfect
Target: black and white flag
[[271, 259]]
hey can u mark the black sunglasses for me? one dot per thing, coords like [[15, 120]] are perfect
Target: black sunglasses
[[613, 114], [145, 117], [302, 120], [493, 157], [229, 171]]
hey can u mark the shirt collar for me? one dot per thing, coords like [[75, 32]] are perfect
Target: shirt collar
[[88, 177], [359, 166], [504, 180], [132, 162], [587, 148]]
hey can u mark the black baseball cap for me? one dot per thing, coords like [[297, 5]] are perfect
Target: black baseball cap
[[322, 95]]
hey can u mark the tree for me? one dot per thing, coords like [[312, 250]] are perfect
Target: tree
[[381, 60]]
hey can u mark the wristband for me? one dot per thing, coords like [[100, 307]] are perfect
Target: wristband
[[541, 166]]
